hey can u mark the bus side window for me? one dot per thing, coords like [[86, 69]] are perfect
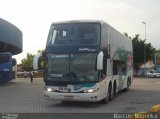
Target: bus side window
[[121, 68], [124, 70], [115, 67]]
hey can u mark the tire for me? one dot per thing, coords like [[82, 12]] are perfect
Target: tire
[[111, 94], [127, 88], [106, 100]]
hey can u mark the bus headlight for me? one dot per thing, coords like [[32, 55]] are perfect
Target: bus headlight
[[49, 89], [90, 90]]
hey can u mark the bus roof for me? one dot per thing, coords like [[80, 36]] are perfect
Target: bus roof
[[88, 21], [92, 21], [79, 21], [11, 38]]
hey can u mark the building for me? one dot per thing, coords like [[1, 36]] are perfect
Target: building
[[10, 38]]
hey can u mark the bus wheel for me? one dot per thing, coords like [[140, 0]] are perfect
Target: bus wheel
[[127, 87], [111, 93]]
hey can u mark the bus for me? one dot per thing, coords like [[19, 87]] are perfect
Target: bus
[[86, 61], [8, 67]]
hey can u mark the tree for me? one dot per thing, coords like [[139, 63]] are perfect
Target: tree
[[27, 63], [156, 57], [41, 60], [125, 34], [139, 48]]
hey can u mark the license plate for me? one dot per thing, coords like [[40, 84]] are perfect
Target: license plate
[[68, 97]]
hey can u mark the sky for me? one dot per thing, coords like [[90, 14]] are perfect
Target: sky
[[34, 17]]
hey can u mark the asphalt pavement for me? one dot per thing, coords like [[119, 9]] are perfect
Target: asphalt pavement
[[21, 96]]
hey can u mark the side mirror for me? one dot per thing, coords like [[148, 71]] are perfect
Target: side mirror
[[35, 61], [100, 61]]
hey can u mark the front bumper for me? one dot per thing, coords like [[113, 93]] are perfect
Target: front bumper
[[91, 97]]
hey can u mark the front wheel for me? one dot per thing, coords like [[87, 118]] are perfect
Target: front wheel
[[111, 92], [107, 98]]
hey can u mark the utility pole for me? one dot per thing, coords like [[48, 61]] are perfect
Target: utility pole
[[144, 45]]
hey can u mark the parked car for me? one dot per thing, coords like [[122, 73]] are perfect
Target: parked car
[[153, 73]]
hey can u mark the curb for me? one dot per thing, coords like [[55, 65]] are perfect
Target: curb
[[155, 109], [153, 112]]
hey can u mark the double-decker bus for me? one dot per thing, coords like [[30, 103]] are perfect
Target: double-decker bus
[[8, 67], [86, 61]]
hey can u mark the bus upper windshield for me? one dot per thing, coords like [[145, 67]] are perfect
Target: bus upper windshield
[[76, 34], [4, 58], [72, 68]]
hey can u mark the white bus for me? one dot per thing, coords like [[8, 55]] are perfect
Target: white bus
[[86, 61]]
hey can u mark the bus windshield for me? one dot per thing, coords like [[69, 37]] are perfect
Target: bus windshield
[[72, 68], [4, 58], [77, 34]]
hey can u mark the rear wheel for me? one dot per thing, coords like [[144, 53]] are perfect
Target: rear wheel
[[127, 87]]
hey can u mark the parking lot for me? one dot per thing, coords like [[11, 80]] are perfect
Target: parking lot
[[21, 96]]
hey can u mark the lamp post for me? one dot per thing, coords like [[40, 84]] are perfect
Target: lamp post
[[144, 45]]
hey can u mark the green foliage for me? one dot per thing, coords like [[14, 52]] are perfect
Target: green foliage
[[150, 50], [138, 49], [41, 60], [158, 51], [27, 63], [125, 34], [141, 49]]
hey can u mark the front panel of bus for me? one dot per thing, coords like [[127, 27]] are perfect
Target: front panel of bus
[[5, 67], [71, 57]]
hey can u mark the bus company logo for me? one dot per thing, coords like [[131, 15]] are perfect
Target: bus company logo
[[87, 49], [59, 56]]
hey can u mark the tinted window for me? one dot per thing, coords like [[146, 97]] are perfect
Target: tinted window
[[4, 58], [58, 67], [83, 68], [74, 34], [72, 68]]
